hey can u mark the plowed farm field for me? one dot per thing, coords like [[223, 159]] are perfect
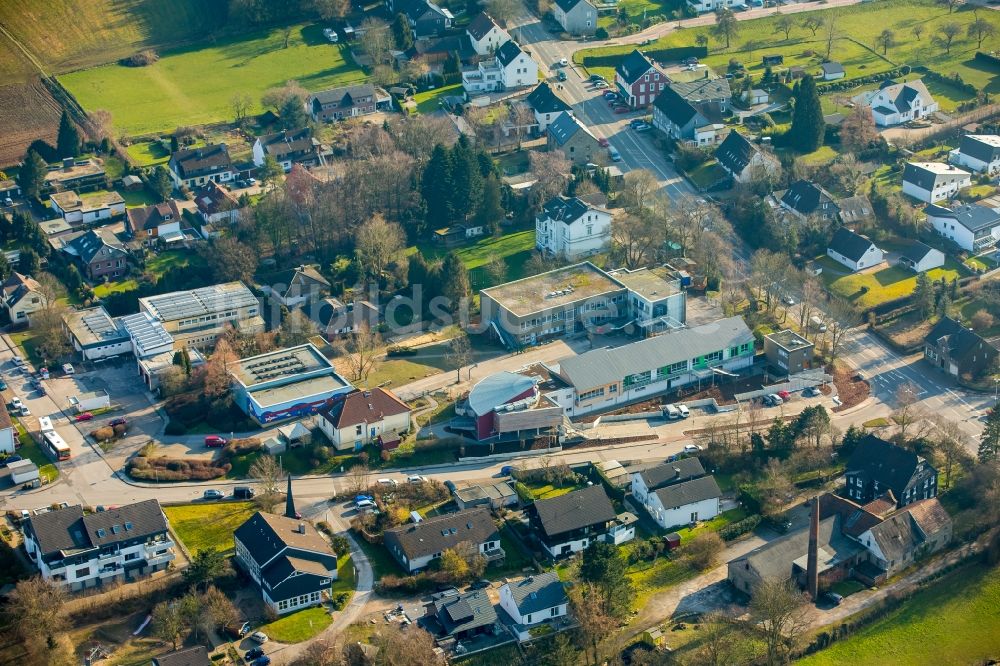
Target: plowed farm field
[[29, 112]]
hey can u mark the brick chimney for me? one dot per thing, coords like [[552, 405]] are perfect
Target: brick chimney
[[812, 565]]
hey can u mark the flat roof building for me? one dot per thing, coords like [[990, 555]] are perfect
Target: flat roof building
[[94, 334], [196, 318], [286, 383], [788, 351]]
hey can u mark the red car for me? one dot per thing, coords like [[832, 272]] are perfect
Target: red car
[[214, 441], [622, 109], [603, 142], [785, 395], [86, 416]]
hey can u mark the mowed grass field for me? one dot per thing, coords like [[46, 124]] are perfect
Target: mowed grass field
[[194, 85], [861, 23], [956, 621], [208, 525], [883, 285]]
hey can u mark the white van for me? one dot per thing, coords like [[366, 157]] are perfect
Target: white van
[[817, 323], [388, 482], [685, 412], [672, 412]]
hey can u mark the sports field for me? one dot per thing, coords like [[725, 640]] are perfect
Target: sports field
[[194, 86]]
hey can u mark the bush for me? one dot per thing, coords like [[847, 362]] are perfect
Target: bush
[[400, 351], [341, 600], [703, 550], [103, 434], [524, 493], [730, 532], [175, 427], [678, 53], [143, 58], [600, 33]]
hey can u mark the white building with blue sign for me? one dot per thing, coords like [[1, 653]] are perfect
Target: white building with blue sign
[[286, 384]]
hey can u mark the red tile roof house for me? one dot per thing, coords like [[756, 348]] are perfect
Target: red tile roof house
[[638, 80], [216, 206], [364, 416]]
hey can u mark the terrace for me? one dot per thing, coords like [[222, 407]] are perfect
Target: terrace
[[554, 289]]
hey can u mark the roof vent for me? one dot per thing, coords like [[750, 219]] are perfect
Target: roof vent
[[302, 528]]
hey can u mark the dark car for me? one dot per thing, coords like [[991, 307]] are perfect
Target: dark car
[[120, 421], [594, 78], [243, 492], [263, 660], [833, 598], [480, 585], [506, 470], [3, 385], [11, 459], [450, 486], [253, 653]]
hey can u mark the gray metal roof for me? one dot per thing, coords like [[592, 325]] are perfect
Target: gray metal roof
[[689, 492], [973, 217], [198, 302], [601, 367], [536, 593], [497, 389], [147, 332], [983, 147]]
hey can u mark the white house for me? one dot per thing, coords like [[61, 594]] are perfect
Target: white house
[[485, 35], [933, 181], [510, 68], [685, 502], [8, 437], [192, 167], [416, 545], [832, 71], [534, 599], [288, 560], [287, 147], [744, 161], [94, 334], [82, 551], [577, 17], [854, 250], [546, 105], [364, 416], [897, 103], [920, 257], [22, 296], [649, 480], [571, 229], [88, 208], [978, 152], [973, 227]]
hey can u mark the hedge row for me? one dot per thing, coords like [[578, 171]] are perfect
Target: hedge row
[[954, 80], [849, 84], [659, 55], [730, 532], [163, 468], [988, 58]]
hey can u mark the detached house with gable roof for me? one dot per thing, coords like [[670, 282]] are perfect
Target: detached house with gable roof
[[547, 105], [972, 227], [292, 565], [22, 295], [744, 161], [569, 228], [295, 286], [897, 103], [533, 600], [569, 135], [854, 250], [804, 199], [100, 254], [416, 545], [698, 122], [577, 17], [485, 35], [425, 17], [363, 417], [287, 147], [933, 181], [878, 466], [191, 167], [510, 68], [327, 106], [959, 351], [569, 523], [82, 551], [160, 221], [639, 80], [677, 493], [979, 153]]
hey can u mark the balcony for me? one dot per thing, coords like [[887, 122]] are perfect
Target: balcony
[[154, 546], [153, 559], [495, 554]]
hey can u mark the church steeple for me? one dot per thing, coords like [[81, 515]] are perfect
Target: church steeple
[[289, 500]]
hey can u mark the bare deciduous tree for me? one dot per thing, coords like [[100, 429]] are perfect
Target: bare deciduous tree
[[637, 189], [240, 103], [777, 606], [361, 351], [376, 243], [35, 610], [269, 477], [635, 237], [376, 40], [359, 478], [459, 354]]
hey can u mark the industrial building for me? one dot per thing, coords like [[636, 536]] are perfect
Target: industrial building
[[286, 383]]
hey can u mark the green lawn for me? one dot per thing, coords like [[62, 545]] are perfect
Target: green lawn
[[548, 491], [846, 588], [514, 248], [955, 621], [108, 288], [819, 157], [381, 561], [299, 626], [208, 525], [883, 285], [652, 577], [430, 100], [345, 576], [28, 343], [707, 174], [160, 263], [148, 153], [138, 198], [27, 448], [714, 525], [194, 85], [863, 23]]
